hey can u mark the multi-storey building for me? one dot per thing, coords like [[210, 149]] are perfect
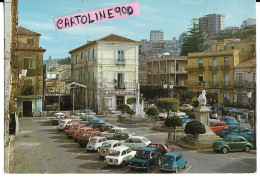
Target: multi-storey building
[[28, 73], [245, 80], [164, 71], [212, 23], [157, 36], [213, 71], [109, 68], [249, 23]]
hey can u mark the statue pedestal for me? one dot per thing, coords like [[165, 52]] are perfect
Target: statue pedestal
[[202, 114]]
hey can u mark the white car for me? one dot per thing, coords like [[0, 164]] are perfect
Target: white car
[[63, 123], [136, 142], [106, 147], [57, 115], [119, 156], [114, 130], [95, 143]]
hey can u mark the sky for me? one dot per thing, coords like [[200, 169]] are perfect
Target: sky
[[171, 16]]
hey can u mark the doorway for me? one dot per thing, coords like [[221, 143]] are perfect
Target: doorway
[[27, 109], [119, 101]]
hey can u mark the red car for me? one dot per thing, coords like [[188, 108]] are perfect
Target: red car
[[73, 129], [58, 119], [162, 147], [70, 124], [80, 131], [217, 125], [105, 128], [85, 137]]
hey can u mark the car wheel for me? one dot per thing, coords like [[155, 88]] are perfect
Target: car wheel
[[147, 168], [101, 157], [247, 148], [224, 150], [185, 165], [123, 164], [131, 168]]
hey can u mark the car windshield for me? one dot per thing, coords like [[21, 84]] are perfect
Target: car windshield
[[145, 139], [106, 145], [168, 158], [112, 131], [143, 154], [226, 139], [93, 140], [114, 153]]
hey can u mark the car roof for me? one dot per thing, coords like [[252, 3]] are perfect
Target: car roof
[[98, 137], [234, 136], [147, 149], [111, 141], [218, 121], [157, 143], [120, 128], [137, 137], [66, 120], [229, 117], [119, 148], [172, 154]]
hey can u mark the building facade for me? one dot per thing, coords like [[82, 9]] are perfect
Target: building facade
[[249, 23], [109, 68], [157, 36], [212, 23], [213, 71], [164, 71], [28, 76]]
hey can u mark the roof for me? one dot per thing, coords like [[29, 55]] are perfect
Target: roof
[[23, 46], [24, 31], [119, 148], [147, 149], [172, 154], [111, 38], [248, 64], [111, 141]]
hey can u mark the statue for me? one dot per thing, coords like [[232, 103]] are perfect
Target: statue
[[202, 98]]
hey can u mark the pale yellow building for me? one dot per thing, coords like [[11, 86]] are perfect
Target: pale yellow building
[[213, 71]]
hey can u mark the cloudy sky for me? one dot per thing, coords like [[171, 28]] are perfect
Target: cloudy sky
[[171, 16]]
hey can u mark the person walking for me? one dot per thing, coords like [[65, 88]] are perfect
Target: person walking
[[246, 117], [238, 118]]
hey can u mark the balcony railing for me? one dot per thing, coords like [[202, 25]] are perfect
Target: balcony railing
[[245, 84], [225, 83], [225, 67], [198, 68], [213, 68], [214, 84]]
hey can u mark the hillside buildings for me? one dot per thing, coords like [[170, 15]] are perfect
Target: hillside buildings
[[109, 68], [212, 23]]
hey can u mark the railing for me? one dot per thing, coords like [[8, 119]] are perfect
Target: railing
[[225, 67], [246, 84], [213, 83], [225, 83], [213, 68], [198, 68]]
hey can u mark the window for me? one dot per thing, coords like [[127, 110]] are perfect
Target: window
[[88, 55], [30, 41], [120, 80], [128, 151], [201, 77], [28, 63], [214, 79], [239, 77], [226, 96], [82, 56], [217, 47], [124, 153], [93, 53], [214, 63], [200, 62], [120, 57], [76, 59], [226, 61], [226, 79], [253, 48]]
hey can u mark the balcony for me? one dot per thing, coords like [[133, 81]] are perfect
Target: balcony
[[225, 67], [214, 84], [194, 69], [245, 84], [225, 83], [213, 68]]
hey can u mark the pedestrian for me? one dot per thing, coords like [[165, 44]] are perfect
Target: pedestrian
[[223, 113], [251, 121], [246, 117], [238, 118]]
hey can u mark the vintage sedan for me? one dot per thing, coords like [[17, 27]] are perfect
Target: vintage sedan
[[95, 143], [113, 131], [230, 128], [63, 123], [136, 142], [246, 133], [70, 124], [232, 143], [119, 156], [230, 120], [81, 131], [106, 147], [145, 158], [173, 162], [186, 107], [217, 125], [73, 129], [85, 137], [105, 128], [120, 136], [162, 147]]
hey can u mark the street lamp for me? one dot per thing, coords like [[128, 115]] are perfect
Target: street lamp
[[249, 95], [166, 86]]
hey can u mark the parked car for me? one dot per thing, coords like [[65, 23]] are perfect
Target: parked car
[[71, 124], [217, 106], [217, 125], [230, 128], [230, 120], [70, 132], [106, 127], [213, 115], [232, 143], [98, 125], [145, 158], [58, 117], [186, 107], [173, 162], [85, 137], [63, 123], [120, 136], [80, 131], [120, 155], [112, 131], [162, 147], [136, 142], [95, 143], [246, 133], [106, 147]]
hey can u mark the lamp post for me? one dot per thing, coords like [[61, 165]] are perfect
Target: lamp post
[[167, 86], [249, 95]]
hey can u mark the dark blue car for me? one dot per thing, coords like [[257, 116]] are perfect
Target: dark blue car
[[246, 133], [173, 162], [230, 120], [229, 129]]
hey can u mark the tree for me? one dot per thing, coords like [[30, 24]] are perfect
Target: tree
[[131, 113], [167, 104], [195, 128], [132, 100], [193, 40], [187, 95], [66, 60], [124, 108], [52, 69], [153, 111], [173, 121]]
